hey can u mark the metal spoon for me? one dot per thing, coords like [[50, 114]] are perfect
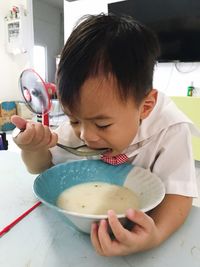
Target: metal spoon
[[81, 151]]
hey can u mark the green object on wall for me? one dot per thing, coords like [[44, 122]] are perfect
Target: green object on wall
[[191, 107]]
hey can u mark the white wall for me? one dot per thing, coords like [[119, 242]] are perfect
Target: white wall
[[48, 32], [171, 78], [11, 66], [75, 10], [174, 78]]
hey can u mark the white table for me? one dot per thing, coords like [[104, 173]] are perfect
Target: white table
[[44, 239]]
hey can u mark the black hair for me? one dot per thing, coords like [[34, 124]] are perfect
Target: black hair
[[108, 44]]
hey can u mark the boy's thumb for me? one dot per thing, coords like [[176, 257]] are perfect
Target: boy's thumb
[[19, 122]]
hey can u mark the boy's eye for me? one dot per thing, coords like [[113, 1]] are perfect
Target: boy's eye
[[74, 122], [103, 126]]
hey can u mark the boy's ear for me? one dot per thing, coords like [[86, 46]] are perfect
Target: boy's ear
[[148, 104]]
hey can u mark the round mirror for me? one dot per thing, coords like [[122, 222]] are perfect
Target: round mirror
[[35, 92]]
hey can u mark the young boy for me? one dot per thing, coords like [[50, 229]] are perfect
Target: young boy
[[104, 82]]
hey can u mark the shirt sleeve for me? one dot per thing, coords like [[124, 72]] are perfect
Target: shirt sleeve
[[175, 162]]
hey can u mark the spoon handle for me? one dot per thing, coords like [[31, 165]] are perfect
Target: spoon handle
[[16, 132], [72, 150]]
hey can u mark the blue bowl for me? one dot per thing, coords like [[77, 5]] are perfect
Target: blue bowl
[[52, 182]]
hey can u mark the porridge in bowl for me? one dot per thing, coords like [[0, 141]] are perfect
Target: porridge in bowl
[[97, 198]]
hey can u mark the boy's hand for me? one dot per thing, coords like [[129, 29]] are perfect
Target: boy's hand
[[34, 136], [143, 236]]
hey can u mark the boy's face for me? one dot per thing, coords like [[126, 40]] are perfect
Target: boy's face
[[102, 120]]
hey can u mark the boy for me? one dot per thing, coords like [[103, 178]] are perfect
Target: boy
[[104, 84]]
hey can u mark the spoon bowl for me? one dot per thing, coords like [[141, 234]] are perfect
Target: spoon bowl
[[83, 150]]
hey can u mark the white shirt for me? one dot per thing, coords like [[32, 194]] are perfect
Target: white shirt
[[162, 144]]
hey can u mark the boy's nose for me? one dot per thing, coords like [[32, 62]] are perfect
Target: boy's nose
[[88, 135]]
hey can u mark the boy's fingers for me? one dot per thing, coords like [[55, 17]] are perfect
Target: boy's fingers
[[32, 130], [18, 122], [140, 218], [25, 137], [53, 140], [120, 233], [94, 238], [104, 237]]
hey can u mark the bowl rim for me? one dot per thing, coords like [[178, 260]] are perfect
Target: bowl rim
[[96, 216], [101, 216]]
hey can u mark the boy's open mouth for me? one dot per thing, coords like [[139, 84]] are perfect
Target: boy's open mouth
[[108, 152]]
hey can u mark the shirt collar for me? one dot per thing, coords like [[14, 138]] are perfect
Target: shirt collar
[[164, 115]]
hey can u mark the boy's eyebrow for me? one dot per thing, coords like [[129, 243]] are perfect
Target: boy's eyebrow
[[97, 117]]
